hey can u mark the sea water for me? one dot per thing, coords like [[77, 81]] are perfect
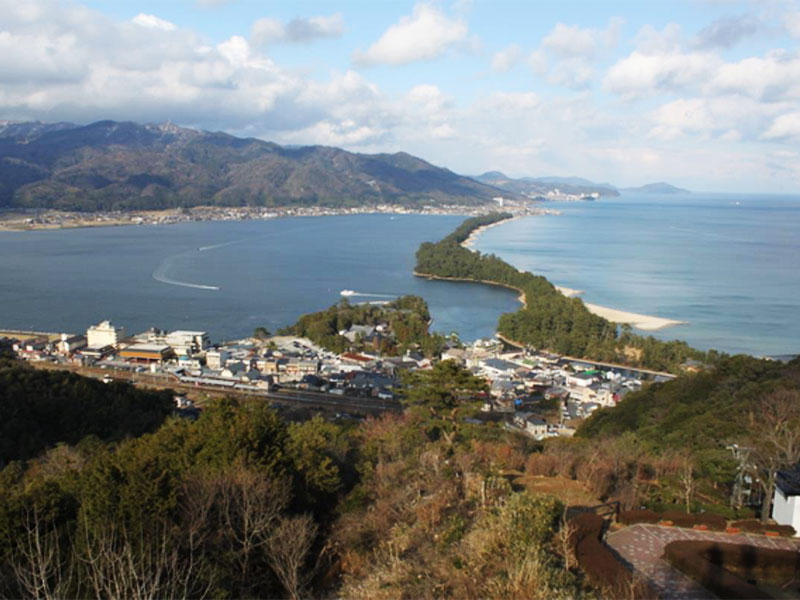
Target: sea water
[[728, 265], [229, 277]]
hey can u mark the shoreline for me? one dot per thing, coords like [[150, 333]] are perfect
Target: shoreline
[[473, 236], [520, 298], [50, 220], [621, 317]]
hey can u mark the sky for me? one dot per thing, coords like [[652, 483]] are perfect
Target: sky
[[704, 94]]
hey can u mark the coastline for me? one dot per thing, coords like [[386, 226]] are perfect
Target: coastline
[[48, 220], [473, 236], [622, 317], [520, 298]]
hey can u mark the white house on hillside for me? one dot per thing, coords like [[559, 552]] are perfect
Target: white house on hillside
[[786, 500]]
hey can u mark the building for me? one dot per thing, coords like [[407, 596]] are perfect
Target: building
[[786, 500], [536, 427], [69, 343], [104, 334], [216, 359], [301, 367], [186, 343], [146, 353], [584, 379]]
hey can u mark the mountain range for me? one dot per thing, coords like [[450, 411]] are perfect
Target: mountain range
[[111, 165], [533, 187]]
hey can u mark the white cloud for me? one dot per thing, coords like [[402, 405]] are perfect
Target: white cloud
[[569, 41], [650, 40], [791, 22], [153, 22], [425, 35], [776, 76], [566, 55], [785, 126], [267, 31], [643, 74], [514, 102], [506, 58], [730, 117]]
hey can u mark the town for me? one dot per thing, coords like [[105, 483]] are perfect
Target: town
[[535, 393], [28, 219]]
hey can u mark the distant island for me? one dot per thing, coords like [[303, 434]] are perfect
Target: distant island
[[657, 188]]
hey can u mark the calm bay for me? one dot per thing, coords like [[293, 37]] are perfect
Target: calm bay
[[229, 277]]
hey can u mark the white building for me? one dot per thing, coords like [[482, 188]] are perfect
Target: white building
[[580, 379], [216, 359], [104, 334], [786, 500], [69, 343], [187, 342]]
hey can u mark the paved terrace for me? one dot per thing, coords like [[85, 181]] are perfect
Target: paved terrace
[[641, 547]]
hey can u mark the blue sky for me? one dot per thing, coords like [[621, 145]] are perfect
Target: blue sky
[[704, 94]]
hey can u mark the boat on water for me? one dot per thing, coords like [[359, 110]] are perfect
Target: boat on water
[[347, 293]]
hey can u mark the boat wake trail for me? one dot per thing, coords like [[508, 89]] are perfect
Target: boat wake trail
[[160, 274], [348, 293], [215, 246]]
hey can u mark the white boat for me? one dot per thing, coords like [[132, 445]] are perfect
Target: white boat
[[347, 293]]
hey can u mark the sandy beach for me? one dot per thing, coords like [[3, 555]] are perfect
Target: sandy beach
[[639, 321], [643, 322], [467, 243]]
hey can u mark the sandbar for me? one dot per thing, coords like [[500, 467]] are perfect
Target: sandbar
[[643, 322], [568, 292], [639, 321], [467, 243]]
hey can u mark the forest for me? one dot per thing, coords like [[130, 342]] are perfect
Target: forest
[[240, 503], [407, 319], [549, 320]]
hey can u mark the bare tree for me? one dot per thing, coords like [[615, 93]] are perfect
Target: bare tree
[[564, 539], [686, 476], [40, 566], [249, 506], [289, 544], [126, 562], [775, 439]]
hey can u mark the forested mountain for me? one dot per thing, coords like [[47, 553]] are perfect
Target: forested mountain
[[122, 165], [535, 186]]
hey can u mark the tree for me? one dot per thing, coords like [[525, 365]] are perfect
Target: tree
[[288, 546], [261, 333], [42, 568], [687, 478], [775, 439], [445, 386]]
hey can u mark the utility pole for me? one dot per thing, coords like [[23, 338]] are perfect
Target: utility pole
[[742, 486]]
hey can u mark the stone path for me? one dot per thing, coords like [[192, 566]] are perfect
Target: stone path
[[641, 547]]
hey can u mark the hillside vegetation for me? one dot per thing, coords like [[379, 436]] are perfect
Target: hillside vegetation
[[42, 408], [242, 504], [112, 165]]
